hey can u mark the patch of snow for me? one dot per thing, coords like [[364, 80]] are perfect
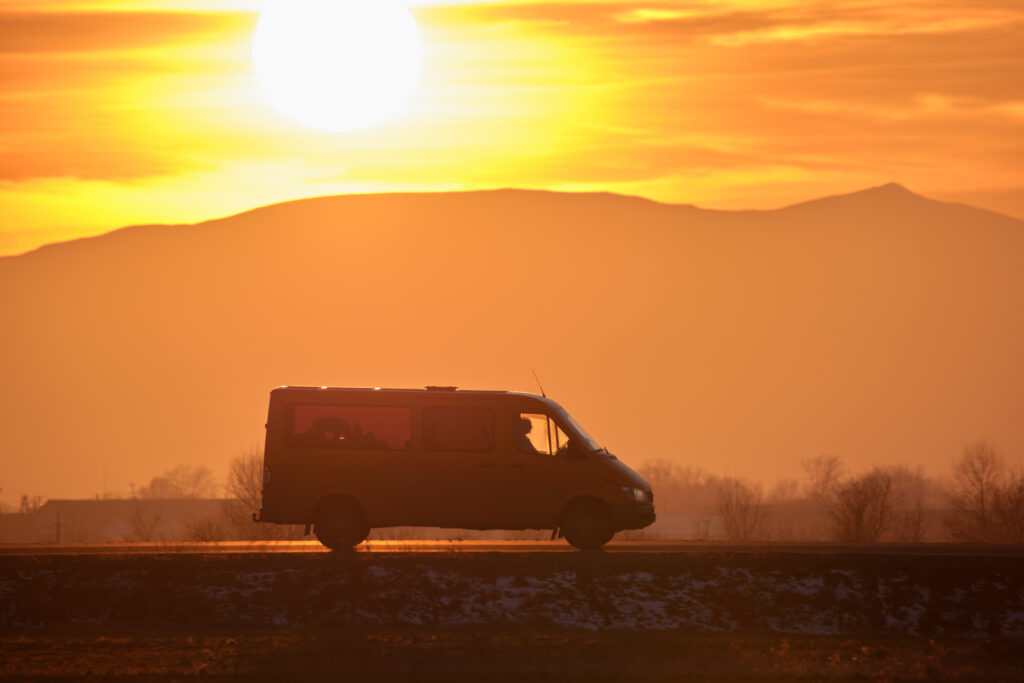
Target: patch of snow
[[809, 586], [723, 599], [1013, 624], [257, 579]]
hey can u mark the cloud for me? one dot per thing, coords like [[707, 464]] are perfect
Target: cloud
[[918, 107], [60, 32], [737, 23], [131, 6]]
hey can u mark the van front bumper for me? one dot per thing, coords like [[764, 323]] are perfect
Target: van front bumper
[[631, 516]]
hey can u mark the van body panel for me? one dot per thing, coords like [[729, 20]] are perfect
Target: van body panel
[[457, 489], [629, 516], [611, 469], [446, 458], [537, 488]]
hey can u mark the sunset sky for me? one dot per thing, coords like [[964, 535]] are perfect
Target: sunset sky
[[115, 113]]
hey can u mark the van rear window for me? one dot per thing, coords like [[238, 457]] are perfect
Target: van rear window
[[380, 428], [458, 429]]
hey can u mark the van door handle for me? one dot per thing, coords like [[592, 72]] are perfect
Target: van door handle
[[517, 466]]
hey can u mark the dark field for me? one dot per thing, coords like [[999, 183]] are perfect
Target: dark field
[[512, 616], [501, 654]]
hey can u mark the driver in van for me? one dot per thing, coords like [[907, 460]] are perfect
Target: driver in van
[[521, 428]]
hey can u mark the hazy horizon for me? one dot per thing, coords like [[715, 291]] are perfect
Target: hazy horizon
[[737, 248], [878, 326]]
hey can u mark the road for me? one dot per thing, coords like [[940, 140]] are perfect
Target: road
[[490, 546]]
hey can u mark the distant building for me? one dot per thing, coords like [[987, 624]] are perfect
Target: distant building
[[73, 521]]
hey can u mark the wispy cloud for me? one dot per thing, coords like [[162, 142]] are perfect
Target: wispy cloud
[[30, 32]]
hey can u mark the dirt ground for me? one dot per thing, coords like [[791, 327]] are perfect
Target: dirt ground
[[519, 654]]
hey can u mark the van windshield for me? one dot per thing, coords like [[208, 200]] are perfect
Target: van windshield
[[588, 441]]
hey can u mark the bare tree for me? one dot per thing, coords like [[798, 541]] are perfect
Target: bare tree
[[678, 489], [182, 481], [245, 480], [978, 475], [741, 507], [880, 504], [863, 507], [823, 473], [143, 525], [159, 488], [194, 481], [784, 490], [987, 499], [245, 496], [1009, 510], [910, 496]]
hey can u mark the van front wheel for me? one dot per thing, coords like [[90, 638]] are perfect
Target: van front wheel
[[587, 525], [340, 524]]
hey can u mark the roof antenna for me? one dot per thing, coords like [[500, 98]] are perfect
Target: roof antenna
[[538, 383]]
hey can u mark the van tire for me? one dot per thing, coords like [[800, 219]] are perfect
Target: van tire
[[341, 524], [587, 525]]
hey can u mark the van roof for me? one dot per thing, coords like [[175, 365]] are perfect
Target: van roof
[[424, 391]]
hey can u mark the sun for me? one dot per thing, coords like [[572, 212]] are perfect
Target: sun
[[337, 65]]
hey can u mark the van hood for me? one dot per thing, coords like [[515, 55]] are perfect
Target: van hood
[[629, 477]]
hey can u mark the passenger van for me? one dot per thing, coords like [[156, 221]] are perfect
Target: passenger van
[[343, 461]]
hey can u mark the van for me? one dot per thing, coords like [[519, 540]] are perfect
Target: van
[[345, 460]]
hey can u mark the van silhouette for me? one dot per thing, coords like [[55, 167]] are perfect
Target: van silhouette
[[345, 460]]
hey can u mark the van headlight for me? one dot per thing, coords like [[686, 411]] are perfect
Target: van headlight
[[635, 494]]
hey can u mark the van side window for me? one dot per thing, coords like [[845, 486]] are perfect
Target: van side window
[[458, 429], [537, 433], [374, 428]]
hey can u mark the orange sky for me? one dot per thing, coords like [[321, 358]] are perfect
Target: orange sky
[[116, 112]]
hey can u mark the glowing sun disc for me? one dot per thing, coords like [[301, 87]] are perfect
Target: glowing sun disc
[[337, 65]]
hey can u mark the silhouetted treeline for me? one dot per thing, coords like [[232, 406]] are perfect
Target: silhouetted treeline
[[982, 500]]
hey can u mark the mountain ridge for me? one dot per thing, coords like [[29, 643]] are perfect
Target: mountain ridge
[[887, 192], [890, 193]]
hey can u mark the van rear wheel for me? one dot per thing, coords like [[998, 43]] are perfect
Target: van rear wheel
[[587, 525], [340, 524]]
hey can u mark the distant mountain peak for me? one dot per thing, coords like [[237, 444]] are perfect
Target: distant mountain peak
[[889, 189], [881, 196], [886, 191]]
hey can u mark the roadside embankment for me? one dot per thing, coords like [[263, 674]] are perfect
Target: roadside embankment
[[827, 594]]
